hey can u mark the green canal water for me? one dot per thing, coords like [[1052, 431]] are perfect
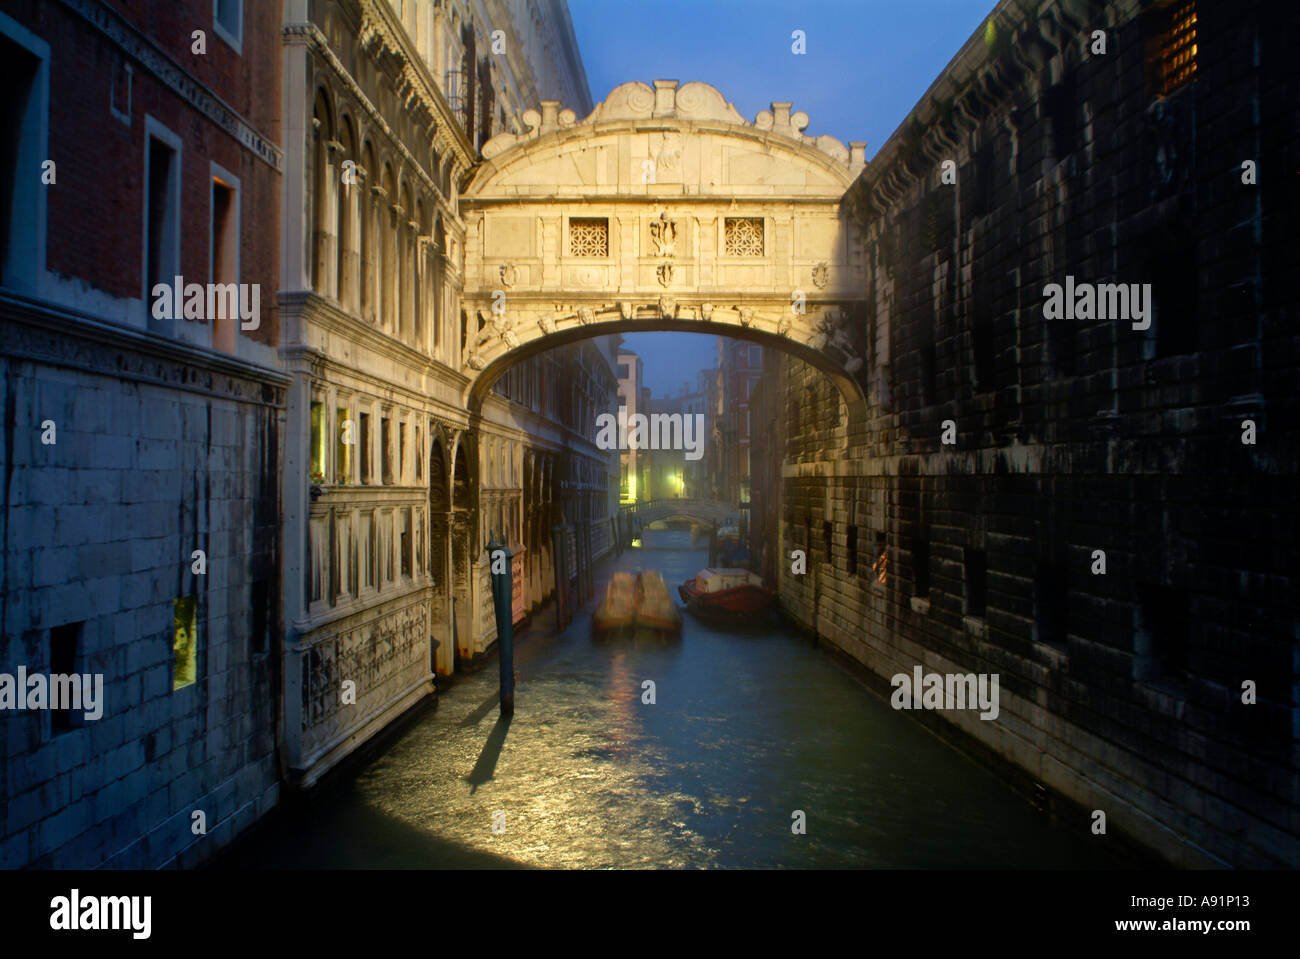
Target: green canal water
[[747, 728]]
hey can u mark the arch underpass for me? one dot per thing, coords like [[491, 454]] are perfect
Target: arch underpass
[[664, 210]]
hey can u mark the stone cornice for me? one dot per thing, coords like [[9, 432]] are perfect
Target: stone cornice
[[306, 306], [146, 53], [43, 332], [978, 78], [412, 79]]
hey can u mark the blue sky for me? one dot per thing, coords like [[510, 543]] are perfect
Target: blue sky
[[867, 63]]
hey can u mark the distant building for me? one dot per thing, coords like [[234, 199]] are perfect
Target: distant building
[[634, 465]]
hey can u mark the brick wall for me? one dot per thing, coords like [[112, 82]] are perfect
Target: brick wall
[[95, 209], [1121, 691]]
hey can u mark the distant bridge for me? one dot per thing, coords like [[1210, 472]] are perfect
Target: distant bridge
[[705, 511]]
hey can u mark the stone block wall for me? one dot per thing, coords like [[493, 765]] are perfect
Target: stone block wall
[[1120, 691], [159, 450]]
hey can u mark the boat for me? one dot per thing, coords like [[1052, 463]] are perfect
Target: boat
[[655, 608], [617, 611], [634, 605], [726, 593]]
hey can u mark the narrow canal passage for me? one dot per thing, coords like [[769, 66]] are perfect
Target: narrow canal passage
[[747, 727]]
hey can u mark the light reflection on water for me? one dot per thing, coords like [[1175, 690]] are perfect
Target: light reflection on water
[[747, 727]]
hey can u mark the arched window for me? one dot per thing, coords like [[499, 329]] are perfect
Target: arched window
[[366, 235], [322, 208], [349, 192], [387, 253], [406, 264]]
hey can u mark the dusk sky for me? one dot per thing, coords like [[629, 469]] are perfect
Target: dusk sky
[[867, 64]]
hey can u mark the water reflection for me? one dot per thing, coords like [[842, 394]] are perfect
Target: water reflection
[[747, 727]]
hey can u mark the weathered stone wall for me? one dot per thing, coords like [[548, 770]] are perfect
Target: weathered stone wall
[[159, 450], [1120, 691]]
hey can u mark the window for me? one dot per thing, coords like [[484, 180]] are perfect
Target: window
[[63, 662], [588, 236], [385, 451], [405, 544], [24, 76], [756, 356], [223, 264], [344, 441], [260, 617], [976, 569], [623, 371], [1171, 55], [365, 447], [401, 452], [853, 550], [1051, 591], [743, 236], [419, 454], [119, 94], [921, 567], [228, 21], [880, 565], [317, 452], [162, 213], [1160, 641], [185, 641]]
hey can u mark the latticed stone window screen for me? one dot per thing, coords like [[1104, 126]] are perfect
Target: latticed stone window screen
[[588, 236], [743, 236]]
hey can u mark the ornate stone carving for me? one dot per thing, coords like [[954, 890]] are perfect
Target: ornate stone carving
[[546, 324], [706, 311], [585, 315], [667, 308], [821, 275], [509, 275], [625, 308], [746, 316], [783, 326], [663, 232], [665, 274]]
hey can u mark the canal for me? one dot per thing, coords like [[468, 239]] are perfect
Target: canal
[[747, 727]]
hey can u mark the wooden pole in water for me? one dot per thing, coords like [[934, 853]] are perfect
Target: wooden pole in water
[[499, 557]]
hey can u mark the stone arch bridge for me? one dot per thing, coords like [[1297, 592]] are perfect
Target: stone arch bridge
[[662, 210], [703, 510]]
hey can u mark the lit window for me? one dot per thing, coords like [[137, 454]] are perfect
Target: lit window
[[185, 641], [317, 442], [588, 237], [743, 236], [1176, 64]]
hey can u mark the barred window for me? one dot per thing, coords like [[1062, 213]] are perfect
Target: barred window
[[743, 236], [1175, 52], [588, 236]]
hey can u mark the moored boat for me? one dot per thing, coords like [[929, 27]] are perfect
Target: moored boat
[[655, 608], [617, 611], [726, 593]]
